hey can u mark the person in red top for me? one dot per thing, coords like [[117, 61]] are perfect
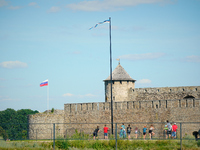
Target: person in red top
[[174, 128], [106, 132]]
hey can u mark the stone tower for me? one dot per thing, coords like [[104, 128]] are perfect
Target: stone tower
[[121, 83]]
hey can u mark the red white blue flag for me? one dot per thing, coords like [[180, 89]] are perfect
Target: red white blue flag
[[44, 83]]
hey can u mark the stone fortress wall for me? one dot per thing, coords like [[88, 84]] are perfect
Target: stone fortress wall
[[158, 108], [137, 106]]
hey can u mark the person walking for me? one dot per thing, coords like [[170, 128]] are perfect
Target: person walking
[[151, 133], [129, 129], [144, 132], [105, 129], [174, 129], [95, 133]]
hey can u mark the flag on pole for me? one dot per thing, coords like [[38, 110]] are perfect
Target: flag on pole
[[44, 83], [106, 21]]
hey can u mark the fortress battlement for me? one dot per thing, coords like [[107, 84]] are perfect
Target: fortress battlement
[[155, 104], [168, 89]]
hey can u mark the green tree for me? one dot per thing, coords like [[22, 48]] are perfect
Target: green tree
[[15, 123]]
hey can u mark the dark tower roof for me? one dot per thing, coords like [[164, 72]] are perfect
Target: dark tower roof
[[120, 74]]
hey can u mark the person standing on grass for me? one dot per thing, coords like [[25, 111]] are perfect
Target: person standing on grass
[[144, 132], [165, 131], [169, 131], [151, 133], [105, 132], [129, 129], [124, 130], [174, 129], [95, 133], [136, 132], [121, 132]]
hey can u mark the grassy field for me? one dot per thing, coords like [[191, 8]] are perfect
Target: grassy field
[[100, 145]]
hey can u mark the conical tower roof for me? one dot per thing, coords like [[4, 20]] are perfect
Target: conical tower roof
[[120, 74]]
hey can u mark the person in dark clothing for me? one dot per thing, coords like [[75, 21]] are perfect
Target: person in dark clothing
[[95, 133]]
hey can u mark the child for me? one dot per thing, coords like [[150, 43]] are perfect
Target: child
[[136, 132], [121, 133]]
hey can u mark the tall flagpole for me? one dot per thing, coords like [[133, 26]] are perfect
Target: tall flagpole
[[48, 96], [111, 78]]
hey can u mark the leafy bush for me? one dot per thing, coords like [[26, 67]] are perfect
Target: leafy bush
[[62, 144], [80, 136], [198, 143]]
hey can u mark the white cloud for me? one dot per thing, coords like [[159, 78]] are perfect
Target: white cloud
[[79, 96], [110, 5], [192, 58], [68, 95], [2, 79], [146, 56], [144, 81], [3, 3], [54, 9], [34, 4], [14, 7], [6, 98], [13, 64]]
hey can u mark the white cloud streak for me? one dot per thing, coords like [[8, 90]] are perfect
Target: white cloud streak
[[13, 64], [3, 3], [54, 9], [110, 5], [14, 7], [192, 58], [33, 4], [144, 81], [79, 96], [146, 56]]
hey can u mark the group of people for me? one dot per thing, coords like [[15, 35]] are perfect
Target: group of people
[[151, 133], [169, 130], [122, 133]]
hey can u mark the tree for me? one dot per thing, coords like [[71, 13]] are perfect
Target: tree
[[15, 123]]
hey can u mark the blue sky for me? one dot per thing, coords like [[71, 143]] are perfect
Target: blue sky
[[157, 41]]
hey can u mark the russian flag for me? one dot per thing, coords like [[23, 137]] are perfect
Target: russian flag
[[44, 83]]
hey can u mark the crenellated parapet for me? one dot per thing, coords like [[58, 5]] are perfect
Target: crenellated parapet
[[126, 105]]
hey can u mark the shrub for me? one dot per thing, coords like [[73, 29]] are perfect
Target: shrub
[[62, 144]]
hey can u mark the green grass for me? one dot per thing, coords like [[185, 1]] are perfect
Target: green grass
[[100, 145]]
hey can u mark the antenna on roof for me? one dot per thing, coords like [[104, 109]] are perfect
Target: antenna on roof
[[118, 59]]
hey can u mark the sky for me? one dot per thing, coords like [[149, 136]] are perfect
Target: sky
[[157, 42]]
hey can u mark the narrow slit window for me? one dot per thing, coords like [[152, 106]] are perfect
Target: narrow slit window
[[193, 102]]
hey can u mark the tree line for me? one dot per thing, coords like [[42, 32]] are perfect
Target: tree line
[[14, 124]]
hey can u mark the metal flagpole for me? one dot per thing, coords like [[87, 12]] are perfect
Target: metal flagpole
[[111, 79], [48, 97]]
